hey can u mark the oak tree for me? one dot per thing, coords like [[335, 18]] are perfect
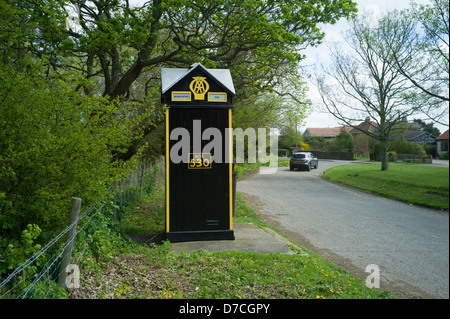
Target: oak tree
[[116, 47]]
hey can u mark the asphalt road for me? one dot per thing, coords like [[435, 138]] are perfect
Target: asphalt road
[[352, 229]]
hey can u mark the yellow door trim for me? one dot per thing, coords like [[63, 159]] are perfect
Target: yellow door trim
[[167, 171], [230, 164]]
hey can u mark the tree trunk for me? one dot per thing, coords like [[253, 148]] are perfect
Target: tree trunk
[[384, 156]]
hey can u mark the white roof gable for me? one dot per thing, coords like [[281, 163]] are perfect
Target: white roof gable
[[171, 76]]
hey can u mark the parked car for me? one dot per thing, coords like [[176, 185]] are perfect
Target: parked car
[[303, 160]]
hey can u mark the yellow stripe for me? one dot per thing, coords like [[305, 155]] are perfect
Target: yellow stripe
[[167, 171], [230, 161]]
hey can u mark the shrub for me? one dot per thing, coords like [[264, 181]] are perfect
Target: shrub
[[392, 156], [343, 143], [16, 251], [54, 144], [283, 152], [419, 150], [304, 147]]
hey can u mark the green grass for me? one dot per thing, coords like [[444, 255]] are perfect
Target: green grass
[[156, 271], [236, 275], [242, 168], [251, 275], [146, 216], [416, 184]]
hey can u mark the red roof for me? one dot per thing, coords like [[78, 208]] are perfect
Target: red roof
[[443, 136], [327, 131], [366, 126]]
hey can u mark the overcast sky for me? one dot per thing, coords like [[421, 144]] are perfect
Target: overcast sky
[[320, 55]]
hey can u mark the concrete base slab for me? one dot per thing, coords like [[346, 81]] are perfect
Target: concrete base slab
[[249, 238]]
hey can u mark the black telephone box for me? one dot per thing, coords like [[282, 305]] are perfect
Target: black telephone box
[[198, 153]]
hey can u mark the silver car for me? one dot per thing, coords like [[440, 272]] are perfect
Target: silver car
[[303, 160]]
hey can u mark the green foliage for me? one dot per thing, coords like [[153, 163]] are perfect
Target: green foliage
[[101, 242], [254, 37], [140, 200], [372, 78], [420, 151], [427, 127], [16, 251], [402, 146], [115, 49], [51, 291], [343, 142], [54, 144], [105, 240], [47, 289], [289, 137], [317, 143], [241, 168]]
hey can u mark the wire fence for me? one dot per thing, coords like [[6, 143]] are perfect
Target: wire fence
[[38, 279], [25, 283]]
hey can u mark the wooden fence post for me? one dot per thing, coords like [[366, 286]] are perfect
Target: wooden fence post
[[76, 205]]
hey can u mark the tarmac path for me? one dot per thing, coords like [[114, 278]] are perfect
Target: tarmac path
[[352, 229]]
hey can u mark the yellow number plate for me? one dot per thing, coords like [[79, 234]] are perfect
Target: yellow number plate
[[199, 161]]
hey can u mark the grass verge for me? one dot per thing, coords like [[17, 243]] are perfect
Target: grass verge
[[421, 185], [242, 168], [156, 271]]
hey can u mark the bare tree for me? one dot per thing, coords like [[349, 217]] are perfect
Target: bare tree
[[427, 45], [361, 82]]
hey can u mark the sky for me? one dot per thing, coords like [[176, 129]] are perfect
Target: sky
[[320, 55]]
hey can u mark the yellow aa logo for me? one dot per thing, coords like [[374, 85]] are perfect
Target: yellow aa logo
[[199, 87]]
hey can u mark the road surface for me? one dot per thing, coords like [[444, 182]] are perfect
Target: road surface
[[352, 229]]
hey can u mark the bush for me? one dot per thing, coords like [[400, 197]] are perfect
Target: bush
[[343, 143], [282, 152], [419, 150], [401, 146], [54, 144], [317, 143], [304, 147], [16, 251], [392, 156]]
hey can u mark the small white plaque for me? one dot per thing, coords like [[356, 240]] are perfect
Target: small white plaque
[[181, 96], [217, 97]]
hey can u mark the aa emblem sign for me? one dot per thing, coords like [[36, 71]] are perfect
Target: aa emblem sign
[[199, 87]]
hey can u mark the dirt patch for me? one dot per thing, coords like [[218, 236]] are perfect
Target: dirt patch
[[148, 239], [253, 202], [248, 174], [132, 276]]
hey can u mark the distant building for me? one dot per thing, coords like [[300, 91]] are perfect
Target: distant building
[[416, 137], [364, 127], [327, 132], [411, 132], [442, 143]]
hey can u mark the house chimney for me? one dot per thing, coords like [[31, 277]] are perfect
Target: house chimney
[[367, 119], [404, 119]]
